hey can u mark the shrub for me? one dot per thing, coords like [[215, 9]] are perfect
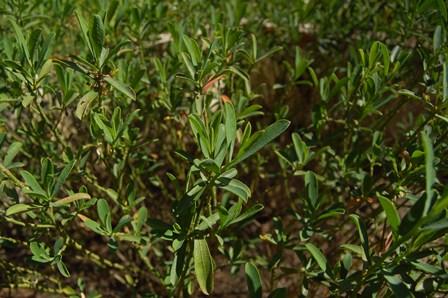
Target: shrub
[[153, 148]]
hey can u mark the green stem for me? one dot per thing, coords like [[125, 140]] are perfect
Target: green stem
[[13, 178], [50, 125], [96, 258]]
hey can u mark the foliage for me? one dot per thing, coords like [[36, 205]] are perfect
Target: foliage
[[168, 148]]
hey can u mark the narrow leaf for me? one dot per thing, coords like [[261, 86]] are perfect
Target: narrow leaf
[[73, 198], [85, 32], [430, 172], [103, 210], [236, 187], [122, 87], [13, 150], [320, 258], [96, 35], [300, 148], [311, 187], [32, 182], [230, 127], [363, 236], [203, 266], [438, 225], [271, 132], [190, 67], [248, 213], [193, 49], [62, 177], [253, 280], [20, 208], [44, 50], [386, 58], [85, 103], [94, 226], [398, 287], [62, 269], [391, 214], [22, 41]]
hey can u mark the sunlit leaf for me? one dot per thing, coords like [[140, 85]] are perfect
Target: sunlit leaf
[[204, 266], [84, 103], [122, 87], [391, 213]]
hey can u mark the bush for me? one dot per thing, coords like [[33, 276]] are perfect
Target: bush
[[151, 148]]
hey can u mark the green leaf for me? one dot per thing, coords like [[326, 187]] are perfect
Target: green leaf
[[229, 174], [20, 208], [248, 213], [398, 287], [32, 183], [442, 10], [62, 177], [44, 50], [13, 150], [124, 220], [94, 226], [320, 258], [413, 216], [373, 53], [96, 35], [122, 87], [58, 245], [17, 69], [437, 38], [178, 264], [22, 41], [103, 57], [45, 70], [208, 222], [230, 126], [160, 68], [253, 280], [271, 132], [72, 65], [236, 187], [391, 213], [142, 215], [438, 225], [200, 132], [190, 67], [203, 265], [27, 99], [103, 210], [363, 236], [85, 103], [430, 172], [63, 269], [331, 212], [269, 53], [311, 187], [193, 49], [39, 252], [85, 33], [106, 127], [300, 148], [441, 204], [73, 198], [386, 58], [427, 268]]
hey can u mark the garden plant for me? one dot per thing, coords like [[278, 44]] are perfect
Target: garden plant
[[224, 148]]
